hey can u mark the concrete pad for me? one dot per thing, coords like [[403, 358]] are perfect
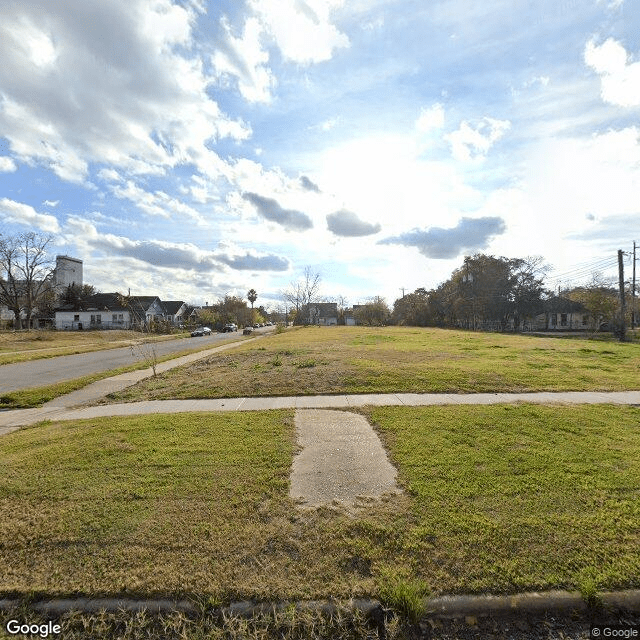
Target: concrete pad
[[341, 459]]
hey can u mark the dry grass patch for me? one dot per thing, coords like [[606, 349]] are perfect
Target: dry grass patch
[[21, 346], [394, 359]]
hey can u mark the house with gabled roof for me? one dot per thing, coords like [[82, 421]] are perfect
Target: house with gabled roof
[[99, 311], [320, 313], [176, 311]]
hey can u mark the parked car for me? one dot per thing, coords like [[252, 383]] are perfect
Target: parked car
[[229, 327], [201, 331], [247, 331]]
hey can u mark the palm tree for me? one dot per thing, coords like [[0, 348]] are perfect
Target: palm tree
[[253, 296]]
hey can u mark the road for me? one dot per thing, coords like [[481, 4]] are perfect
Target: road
[[40, 373]]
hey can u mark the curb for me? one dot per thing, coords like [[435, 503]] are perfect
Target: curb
[[444, 607]]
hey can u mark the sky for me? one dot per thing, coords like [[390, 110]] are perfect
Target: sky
[[196, 148]]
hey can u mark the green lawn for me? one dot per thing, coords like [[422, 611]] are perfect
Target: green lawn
[[328, 360], [498, 499]]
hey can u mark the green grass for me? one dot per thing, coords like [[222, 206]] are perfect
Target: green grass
[[515, 498], [395, 359], [497, 499]]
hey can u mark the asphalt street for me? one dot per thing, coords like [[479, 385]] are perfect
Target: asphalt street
[[39, 373]]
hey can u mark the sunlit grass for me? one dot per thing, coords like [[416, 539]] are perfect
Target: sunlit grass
[[497, 499], [394, 359]]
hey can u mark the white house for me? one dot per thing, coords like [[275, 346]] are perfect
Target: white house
[[100, 311]]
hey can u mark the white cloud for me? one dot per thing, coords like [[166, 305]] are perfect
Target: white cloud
[[161, 254], [111, 82], [246, 59], [51, 203], [620, 78], [430, 119], [301, 28], [157, 203], [7, 165], [469, 143], [20, 213]]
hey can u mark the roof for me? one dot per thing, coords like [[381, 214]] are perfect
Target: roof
[[172, 306], [139, 303], [323, 309], [97, 302], [558, 304]]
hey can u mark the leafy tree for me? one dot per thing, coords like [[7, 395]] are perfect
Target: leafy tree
[[412, 309], [600, 298], [374, 313], [75, 294]]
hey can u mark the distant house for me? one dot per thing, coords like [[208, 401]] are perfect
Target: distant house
[[146, 309], [349, 318], [562, 314], [100, 311], [176, 311], [320, 313]]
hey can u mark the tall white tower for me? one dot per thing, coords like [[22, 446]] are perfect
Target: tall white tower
[[68, 271]]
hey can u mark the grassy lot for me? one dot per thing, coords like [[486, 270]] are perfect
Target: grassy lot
[[394, 359], [20, 346], [498, 499], [36, 396]]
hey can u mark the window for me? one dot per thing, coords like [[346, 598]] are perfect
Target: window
[[121, 317], [98, 319], [114, 317], [585, 319], [554, 319], [563, 319], [76, 318], [93, 319]]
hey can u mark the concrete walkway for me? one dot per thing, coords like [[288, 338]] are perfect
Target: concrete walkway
[[56, 410], [341, 459]]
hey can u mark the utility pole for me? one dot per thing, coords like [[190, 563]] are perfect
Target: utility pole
[[621, 284], [402, 289], [633, 290]]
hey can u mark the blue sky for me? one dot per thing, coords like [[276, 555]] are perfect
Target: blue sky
[[190, 148]]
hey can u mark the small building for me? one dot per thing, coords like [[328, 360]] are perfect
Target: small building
[[562, 314], [100, 311], [176, 311], [319, 313], [146, 309]]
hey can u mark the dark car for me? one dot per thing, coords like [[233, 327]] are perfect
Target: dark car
[[201, 331], [229, 328]]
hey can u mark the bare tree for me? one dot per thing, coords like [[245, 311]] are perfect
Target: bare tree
[[303, 292], [26, 273]]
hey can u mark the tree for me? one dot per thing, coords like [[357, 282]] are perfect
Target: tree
[[76, 294], [26, 273], [600, 298], [303, 292], [374, 313], [252, 296], [412, 309]]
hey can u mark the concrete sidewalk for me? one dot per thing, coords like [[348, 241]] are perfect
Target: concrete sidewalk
[[55, 410]]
